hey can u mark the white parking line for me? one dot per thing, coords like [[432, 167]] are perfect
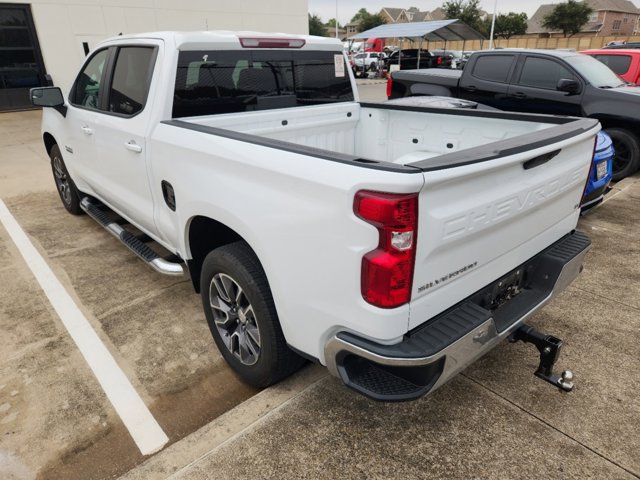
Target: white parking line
[[135, 415]]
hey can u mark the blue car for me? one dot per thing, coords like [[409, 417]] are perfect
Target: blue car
[[601, 172]]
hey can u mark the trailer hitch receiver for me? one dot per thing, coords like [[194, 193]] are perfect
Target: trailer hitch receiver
[[549, 348]]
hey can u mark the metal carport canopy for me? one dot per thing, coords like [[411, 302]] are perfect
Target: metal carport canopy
[[438, 30]]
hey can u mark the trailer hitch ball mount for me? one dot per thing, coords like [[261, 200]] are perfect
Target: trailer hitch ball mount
[[549, 348]]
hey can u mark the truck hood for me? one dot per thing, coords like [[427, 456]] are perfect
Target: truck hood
[[632, 90]]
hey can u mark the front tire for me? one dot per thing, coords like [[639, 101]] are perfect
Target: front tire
[[69, 194], [242, 316], [627, 152]]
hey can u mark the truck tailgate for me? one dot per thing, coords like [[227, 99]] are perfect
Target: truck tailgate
[[440, 76], [485, 211]]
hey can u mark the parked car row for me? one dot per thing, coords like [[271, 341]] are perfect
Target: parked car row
[[544, 81], [406, 59]]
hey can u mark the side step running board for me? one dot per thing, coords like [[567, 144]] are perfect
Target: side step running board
[[132, 242]]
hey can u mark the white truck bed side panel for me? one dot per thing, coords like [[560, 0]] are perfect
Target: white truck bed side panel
[[296, 212]]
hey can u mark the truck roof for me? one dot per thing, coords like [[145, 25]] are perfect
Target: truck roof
[[614, 51], [226, 39], [552, 53]]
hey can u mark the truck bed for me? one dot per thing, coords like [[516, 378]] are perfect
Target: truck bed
[[386, 134], [497, 186]]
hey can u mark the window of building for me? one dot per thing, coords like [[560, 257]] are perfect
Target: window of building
[[21, 65], [593, 17], [616, 25], [131, 77], [543, 73]]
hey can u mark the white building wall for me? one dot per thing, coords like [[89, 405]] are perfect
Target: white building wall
[[62, 25]]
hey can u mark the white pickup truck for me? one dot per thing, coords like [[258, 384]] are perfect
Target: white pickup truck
[[393, 244]]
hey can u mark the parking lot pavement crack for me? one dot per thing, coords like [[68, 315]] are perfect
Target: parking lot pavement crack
[[604, 297], [35, 346], [556, 429], [139, 300], [70, 251]]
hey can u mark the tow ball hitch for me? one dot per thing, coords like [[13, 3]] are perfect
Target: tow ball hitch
[[549, 348]]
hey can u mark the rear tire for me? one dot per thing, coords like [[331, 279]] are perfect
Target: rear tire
[[627, 152], [69, 194], [242, 316]]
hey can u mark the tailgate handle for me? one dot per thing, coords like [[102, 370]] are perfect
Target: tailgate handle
[[539, 160]]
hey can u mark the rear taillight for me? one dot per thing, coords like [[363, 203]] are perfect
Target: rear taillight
[[389, 85], [387, 271], [439, 60]]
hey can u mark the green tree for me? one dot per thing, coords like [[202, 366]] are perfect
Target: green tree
[[359, 14], [368, 20], [467, 11], [371, 21], [316, 26], [507, 25], [332, 23], [568, 17]]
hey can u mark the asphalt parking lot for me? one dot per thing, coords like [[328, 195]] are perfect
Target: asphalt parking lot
[[495, 420]]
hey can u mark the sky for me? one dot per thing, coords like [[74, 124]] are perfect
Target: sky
[[347, 8]]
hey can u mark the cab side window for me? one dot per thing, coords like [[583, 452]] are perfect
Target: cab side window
[[86, 89], [543, 73], [130, 83], [493, 68]]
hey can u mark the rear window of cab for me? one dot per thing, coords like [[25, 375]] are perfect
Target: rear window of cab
[[618, 63], [214, 82]]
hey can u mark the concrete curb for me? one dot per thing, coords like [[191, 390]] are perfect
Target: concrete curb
[[180, 455]]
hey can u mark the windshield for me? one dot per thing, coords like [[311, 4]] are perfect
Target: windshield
[[595, 72], [214, 81]]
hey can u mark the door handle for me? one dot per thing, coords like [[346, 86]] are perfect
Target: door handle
[[87, 130], [133, 146], [519, 95], [470, 88]]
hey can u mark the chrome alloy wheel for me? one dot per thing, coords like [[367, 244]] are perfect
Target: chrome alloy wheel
[[62, 180], [234, 318]]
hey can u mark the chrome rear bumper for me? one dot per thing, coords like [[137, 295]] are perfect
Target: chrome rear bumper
[[433, 353]]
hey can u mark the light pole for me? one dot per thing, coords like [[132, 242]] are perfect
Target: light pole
[[493, 24], [337, 36]]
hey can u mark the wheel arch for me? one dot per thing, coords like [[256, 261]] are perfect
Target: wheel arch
[[205, 234], [49, 141], [609, 121]]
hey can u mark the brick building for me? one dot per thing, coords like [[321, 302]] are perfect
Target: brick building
[[610, 18]]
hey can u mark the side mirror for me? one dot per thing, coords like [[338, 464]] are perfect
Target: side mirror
[[568, 85], [46, 97]]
